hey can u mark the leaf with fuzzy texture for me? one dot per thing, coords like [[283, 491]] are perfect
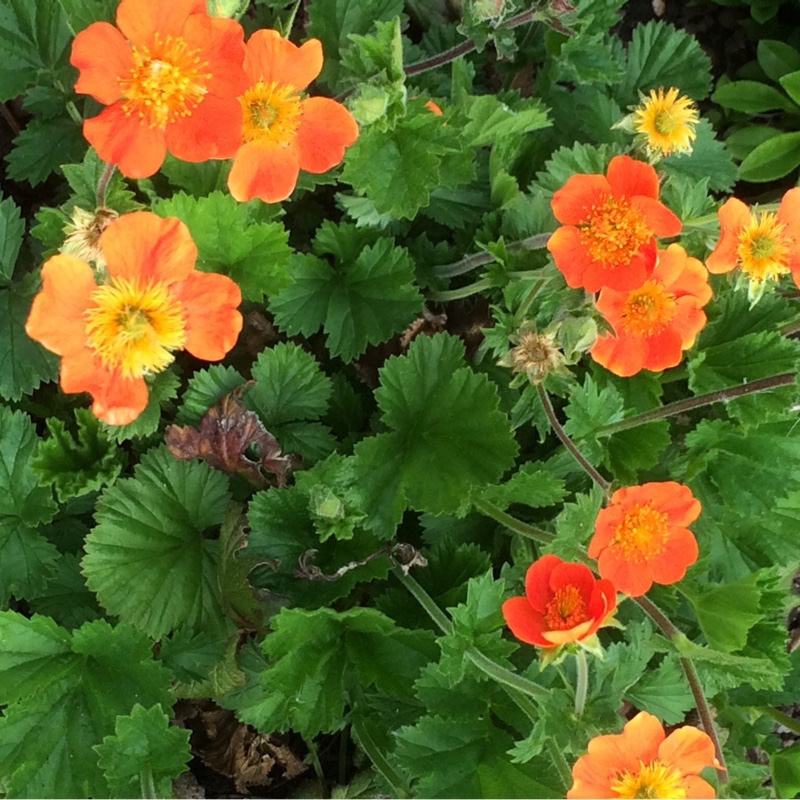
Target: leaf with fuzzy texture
[[12, 229]]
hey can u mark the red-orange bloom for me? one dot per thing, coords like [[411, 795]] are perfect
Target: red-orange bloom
[[766, 245], [643, 762], [563, 603], [284, 132], [656, 322], [642, 538], [610, 224], [152, 303], [169, 74]]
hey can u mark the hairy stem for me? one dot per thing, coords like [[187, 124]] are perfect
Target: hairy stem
[[681, 406], [582, 682], [512, 523], [569, 444], [704, 709], [460, 293], [782, 719], [468, 263], [102, 184], [378, 759]]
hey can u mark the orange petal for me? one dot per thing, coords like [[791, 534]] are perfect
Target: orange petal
[[210, 305], [605, 528], [525, 623], [625, 277], [325, 129], [117, 400], [638, 742], [57, 318], [699, 789], [572, 203], [124, 140], [570, 635], [570, 255], [271, 58], [212, 130], [683, 275], [577, 575], [689, 320], [221, 42], [629, 178], [144, 248], [733, 216], [266, 171], [659, 218], [664, 350], [679, 554], [671, 497], [102, 55], [630, 578], [140, 20], [623, 355], [689, 749], [537, 581]]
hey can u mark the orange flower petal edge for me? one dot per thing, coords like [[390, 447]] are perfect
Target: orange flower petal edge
[[642, 538], [654, 323], [285, 132], [563, 603], [170, 76], [151, 304], [610, 225], [643, 762]]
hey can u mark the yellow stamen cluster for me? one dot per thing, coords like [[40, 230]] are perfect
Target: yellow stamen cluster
[[566, 610], [166, 82], [667, 122], [271, 113], [763, 251], [134, 328], [614, 231], [648, 310], [653, 780], [642, 534]]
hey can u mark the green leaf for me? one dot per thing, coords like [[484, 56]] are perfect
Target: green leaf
[[491, 120], [592, 58], [206, 387], [709, 160], [531, 485], [163, 387], [191, 656], [69, 690], [637, 449], [145, 751], [448, 434], [771, 159], [84, 178], [777, 58], [752, 97], [791, 83], [591, 407], [660, 55], [231, 240], [12, 229], [24, 364], [42, 147], [663, 692], [569, 161], [147, 559], [66, 598], [320, 660], [743, 141], [575, 524], [358, 303], [82, 13], [77, 463], [785, 767], [289, 385]]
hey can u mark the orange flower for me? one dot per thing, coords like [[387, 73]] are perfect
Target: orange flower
[[563, 603], [609, 226], [152, 303], [766, 245], [641, 538], [643, 762], [169, 74], [655, 323], [284, 132]]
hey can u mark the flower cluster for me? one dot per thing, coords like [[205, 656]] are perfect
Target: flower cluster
[[175, 79]]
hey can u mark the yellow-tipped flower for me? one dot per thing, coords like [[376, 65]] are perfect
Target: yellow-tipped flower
[[666, 122]]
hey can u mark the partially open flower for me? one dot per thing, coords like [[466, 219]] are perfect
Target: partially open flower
[[643, 761], [564, 603], [642, 538], [666, 122], [609, 226], [151, 303]]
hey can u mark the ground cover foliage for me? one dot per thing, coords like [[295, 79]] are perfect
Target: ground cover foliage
[[294, 569]]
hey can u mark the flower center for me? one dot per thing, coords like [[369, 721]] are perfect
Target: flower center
[[656, 779], [271, 113], [614, 232], [667, 121], [648, 310], [763, 249], [134, 328], [642, 534], [566, 610], [165, 83]]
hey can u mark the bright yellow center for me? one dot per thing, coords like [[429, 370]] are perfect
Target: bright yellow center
[[656, 779], [614, 231], [566, 610], [763, 250], [648, 310], [667, 122], [642, 534], [271, 113], [134, 328], [166, 82]]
